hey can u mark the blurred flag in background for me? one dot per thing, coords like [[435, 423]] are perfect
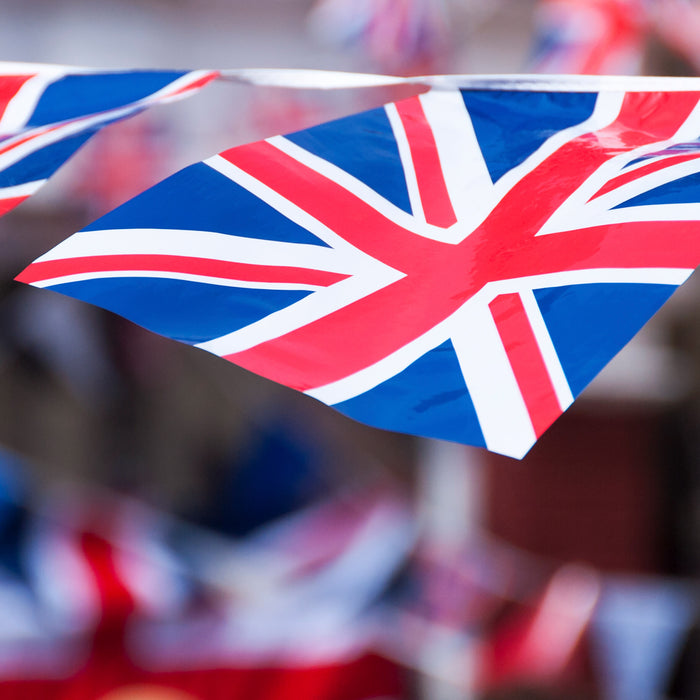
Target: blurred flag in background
[[603, 37], [47, 112]]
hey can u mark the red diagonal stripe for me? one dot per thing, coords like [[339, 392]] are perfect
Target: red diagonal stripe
[[117, 601], [9, 87], [9, 203], [644, 244], [642, 171], [526, 360], [646, 117], [21, 139], [530, 203], [340, 210], [435, 199], [51, 269], [200, 82]]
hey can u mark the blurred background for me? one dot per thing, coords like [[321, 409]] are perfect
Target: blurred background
[[173, 527]]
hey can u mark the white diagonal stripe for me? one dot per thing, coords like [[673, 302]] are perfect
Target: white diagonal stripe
[[601, 210], [205, 244], [22, 105], [503, 416], [646, 213], [293, 212], [307, 310], [355, 187], [467, 178], [44, 136], [23, 190]]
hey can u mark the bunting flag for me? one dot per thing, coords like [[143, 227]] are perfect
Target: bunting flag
[[116, 600], [48, 112], [590, 36], [539, 646], [458, 265], [638, 631]]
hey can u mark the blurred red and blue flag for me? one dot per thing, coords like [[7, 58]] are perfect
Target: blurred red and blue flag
[[48, 112], [457, 265], [593, 37]]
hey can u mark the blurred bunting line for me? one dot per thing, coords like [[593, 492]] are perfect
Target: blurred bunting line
[[611, 36], [457, 265], [278, 598], [47, 112]]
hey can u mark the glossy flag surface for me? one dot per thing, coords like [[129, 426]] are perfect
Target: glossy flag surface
[[457, 265], [48, 112]]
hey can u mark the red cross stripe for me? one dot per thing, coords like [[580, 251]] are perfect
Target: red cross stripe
[[204, 267], [10, 85]]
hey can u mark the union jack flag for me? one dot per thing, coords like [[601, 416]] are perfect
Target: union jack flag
[[48, 112], [458, 265]]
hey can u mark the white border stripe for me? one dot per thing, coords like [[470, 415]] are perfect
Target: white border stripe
[[407, 162], [373, 375], [549, 354], [170, 93], [23, 190], [360, 190], [560, 83], [160, 274], [293, 212], [644, 183], [503, 416], [467, 178]]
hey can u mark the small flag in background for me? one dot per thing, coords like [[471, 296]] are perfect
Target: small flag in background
[[457, 265], [48, 112], [590, 36], [398, 36]]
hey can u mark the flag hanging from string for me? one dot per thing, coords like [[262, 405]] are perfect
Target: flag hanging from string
[[48, 112], [458, 265]]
